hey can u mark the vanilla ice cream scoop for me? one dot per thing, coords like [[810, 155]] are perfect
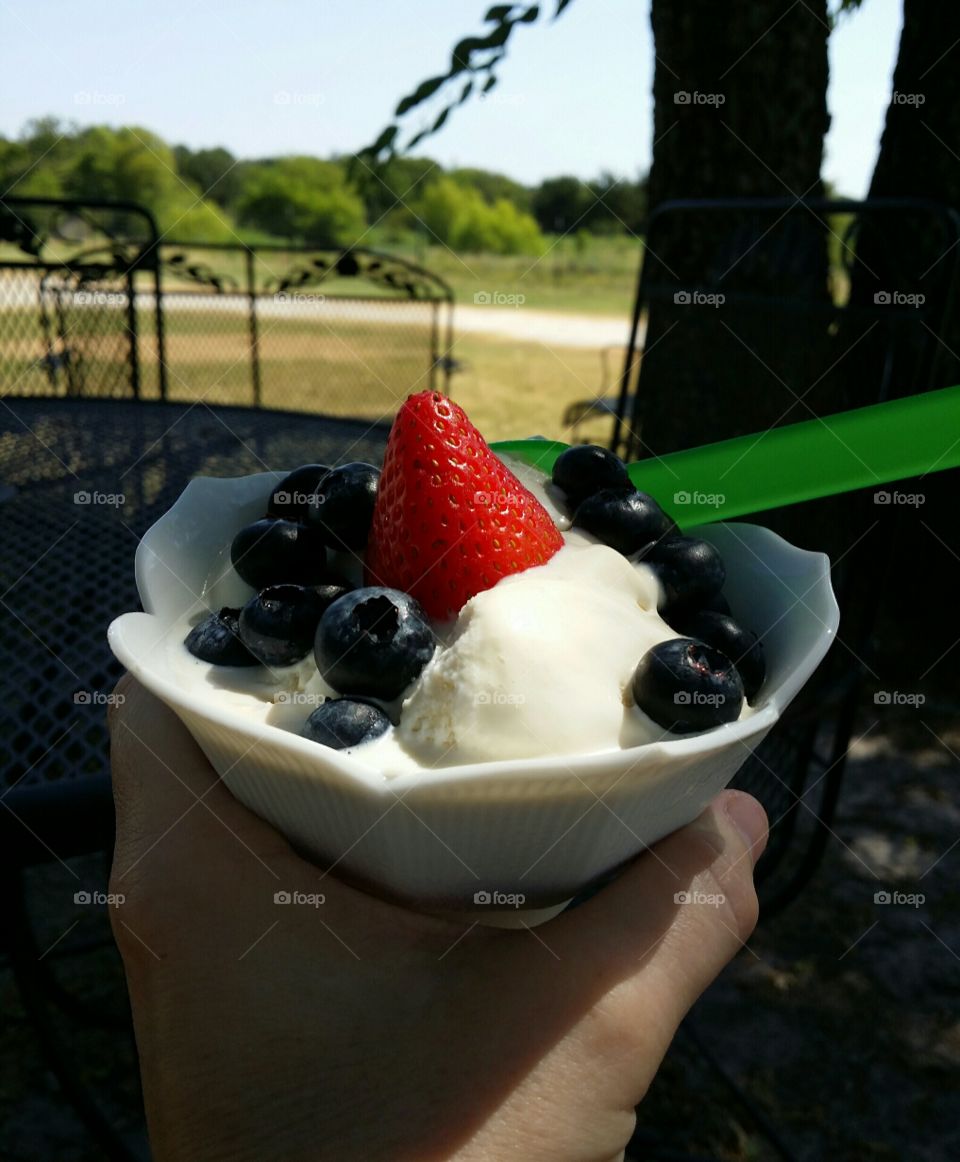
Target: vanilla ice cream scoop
[[540, 665]]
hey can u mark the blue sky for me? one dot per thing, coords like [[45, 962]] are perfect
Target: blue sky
[[292, 76]]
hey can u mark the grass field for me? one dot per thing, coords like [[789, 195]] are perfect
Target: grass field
[[345, 368], [508, 388], [588, 274], [599, 277]]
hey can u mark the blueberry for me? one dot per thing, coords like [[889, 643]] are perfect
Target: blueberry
[[691, 571], [626, 521], [374, 642], [741, 645], [342, 723], [686, 686], [717, 604], [342, 509], [587, 468], [216, 639], [278, 625], [331, 591], [275, 552], [290, 500]]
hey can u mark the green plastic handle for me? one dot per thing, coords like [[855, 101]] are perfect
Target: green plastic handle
[[862, 448]]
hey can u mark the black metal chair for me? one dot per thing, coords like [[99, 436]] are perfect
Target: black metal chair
[[728, 326], [761, 294]]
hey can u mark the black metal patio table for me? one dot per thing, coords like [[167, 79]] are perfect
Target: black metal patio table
[[82, 480]]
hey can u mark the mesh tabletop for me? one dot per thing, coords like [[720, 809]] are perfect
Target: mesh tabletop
[[80, 482]]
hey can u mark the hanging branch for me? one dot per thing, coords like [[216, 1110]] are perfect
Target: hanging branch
[[472, 70]]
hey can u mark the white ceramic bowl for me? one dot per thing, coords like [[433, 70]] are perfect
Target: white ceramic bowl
[[540, 829]]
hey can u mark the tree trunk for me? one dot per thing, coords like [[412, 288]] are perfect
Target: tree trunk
[[919, 157], [739, 111]]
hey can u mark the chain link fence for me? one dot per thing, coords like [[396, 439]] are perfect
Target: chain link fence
[[93, 303]]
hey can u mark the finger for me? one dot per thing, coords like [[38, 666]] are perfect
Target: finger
[[186, 850], [665, 929], [169, 801]]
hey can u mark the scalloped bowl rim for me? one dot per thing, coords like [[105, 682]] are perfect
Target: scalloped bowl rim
[[205, 488]]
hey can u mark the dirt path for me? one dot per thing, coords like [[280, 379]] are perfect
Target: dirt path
[[551, 328], [519, 322]]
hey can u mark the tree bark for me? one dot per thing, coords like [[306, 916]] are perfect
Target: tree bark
[[739, 111], [908, 256], [919, 157]]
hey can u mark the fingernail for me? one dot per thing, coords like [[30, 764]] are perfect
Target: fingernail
[[749, 818]]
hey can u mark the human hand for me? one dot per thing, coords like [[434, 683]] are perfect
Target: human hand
[[362, 1030]]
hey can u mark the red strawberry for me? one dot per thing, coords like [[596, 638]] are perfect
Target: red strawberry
[[450, 520]]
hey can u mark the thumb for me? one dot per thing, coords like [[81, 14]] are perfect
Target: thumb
[[668, 925]]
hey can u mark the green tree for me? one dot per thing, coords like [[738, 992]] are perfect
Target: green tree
[[302, 199], [561, 204], [494, 186], [619, 205], [215, 172], [134, 165], [388, 191], [35, 164], [459, 217]]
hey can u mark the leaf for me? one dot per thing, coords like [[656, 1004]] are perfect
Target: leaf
[[385, 140], [561, 4], [498, 12], [438, 124], [489, 83], [498, 37], [460, 58], [424, 90], [465, 93], [416, 140], [529, 16]]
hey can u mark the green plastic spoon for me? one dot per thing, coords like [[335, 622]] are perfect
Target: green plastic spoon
[[862, 448]]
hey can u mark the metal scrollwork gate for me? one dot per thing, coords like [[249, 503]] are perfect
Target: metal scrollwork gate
[[94, 302]]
